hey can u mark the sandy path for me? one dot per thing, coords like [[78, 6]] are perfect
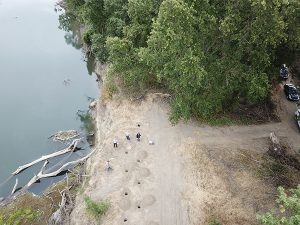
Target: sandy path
[[190, 173], [146, 184]]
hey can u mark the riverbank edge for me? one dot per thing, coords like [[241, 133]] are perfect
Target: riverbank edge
[[53, 192]]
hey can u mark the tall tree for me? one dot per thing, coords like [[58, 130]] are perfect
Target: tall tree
[[208, 54], [175, 55]]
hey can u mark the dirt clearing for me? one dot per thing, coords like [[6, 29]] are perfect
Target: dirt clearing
[[191, 175]]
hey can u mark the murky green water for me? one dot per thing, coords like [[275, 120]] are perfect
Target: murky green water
[[44, 81]]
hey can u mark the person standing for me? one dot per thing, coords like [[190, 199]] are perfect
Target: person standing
[[127, 137], [138, 136], [115, 143], [108, 166]]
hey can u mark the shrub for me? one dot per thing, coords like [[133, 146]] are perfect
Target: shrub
[[96, 209], [214, 222], [289, 209]]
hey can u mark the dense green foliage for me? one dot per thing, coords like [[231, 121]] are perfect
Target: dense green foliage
[[289, 207], [208, 54], [96, 209]]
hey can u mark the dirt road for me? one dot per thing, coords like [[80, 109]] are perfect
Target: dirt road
[[191, 175]]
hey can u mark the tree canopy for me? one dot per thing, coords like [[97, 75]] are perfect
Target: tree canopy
[[208, 54]]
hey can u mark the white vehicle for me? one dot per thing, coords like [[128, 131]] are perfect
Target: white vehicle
[[297, 117]]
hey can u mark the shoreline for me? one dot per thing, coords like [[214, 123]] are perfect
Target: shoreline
[[193, 173], [53, 191]]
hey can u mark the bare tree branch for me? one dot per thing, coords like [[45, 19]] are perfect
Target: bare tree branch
[[70, 148]]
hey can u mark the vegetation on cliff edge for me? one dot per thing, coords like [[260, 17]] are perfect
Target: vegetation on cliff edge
[[209, 55]]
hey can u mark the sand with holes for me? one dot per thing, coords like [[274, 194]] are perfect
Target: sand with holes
[[190, 175]]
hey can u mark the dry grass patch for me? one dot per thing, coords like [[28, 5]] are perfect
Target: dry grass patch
[[32, 210]]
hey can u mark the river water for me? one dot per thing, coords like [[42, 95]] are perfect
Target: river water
[[44, 81]]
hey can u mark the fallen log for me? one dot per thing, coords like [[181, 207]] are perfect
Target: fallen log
[[65, 207], [274, 138], [276, 149], [41, 175], [15, 186], [43, 167], [62, 214], [70, 148]]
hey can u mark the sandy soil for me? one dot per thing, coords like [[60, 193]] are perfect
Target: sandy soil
[[191, 175]]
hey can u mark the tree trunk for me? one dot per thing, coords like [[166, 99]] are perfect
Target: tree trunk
[[41, 175], [70, 148], [276, 149]]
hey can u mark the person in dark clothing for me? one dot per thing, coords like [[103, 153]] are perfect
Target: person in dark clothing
[[127, 136], [138, 136], [115, 143]]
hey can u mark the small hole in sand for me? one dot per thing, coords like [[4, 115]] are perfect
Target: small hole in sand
[[126, 171], [126, 193], [125, 220], [138, 160], [139, 206]]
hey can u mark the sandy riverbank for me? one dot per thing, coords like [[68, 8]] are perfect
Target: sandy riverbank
[[189, 176], [154, 181]]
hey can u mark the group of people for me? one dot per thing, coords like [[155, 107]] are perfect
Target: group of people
[[115, 142], [138, 138], [127, 135]]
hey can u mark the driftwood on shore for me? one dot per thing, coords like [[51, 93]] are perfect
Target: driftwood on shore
[[15, 186], [62, 214], [70, 148], [65, 207], [41, 174]]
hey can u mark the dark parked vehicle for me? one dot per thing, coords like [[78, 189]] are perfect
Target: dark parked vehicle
[[284, 72], [291, 92]]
